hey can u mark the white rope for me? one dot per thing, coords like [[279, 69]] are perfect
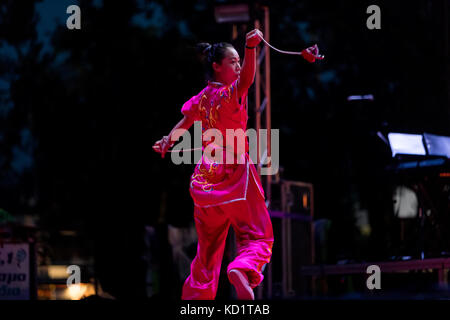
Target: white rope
[[185, 150], [319, 56], [281, 51]]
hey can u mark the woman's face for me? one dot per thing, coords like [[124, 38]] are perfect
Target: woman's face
[[230, 68]]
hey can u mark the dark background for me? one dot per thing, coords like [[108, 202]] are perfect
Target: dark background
[[80, 110]]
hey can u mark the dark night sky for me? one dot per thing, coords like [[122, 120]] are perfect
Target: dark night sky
[[80, 110]]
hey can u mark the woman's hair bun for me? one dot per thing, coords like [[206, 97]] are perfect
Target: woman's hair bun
[[209, 54], [203, 48]]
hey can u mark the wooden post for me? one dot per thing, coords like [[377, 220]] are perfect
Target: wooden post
[[262, 105], [268, 102], [257, 104]]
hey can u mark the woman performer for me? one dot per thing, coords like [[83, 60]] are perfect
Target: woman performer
[[225, 192]]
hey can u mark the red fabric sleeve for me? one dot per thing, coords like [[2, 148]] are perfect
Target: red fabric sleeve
[[190, 107]]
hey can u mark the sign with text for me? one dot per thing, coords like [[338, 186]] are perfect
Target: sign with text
[[14, 271]]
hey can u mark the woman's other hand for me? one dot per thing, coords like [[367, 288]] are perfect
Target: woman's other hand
[[162, 146]]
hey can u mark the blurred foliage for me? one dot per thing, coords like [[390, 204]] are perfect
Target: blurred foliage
[[6, 216]]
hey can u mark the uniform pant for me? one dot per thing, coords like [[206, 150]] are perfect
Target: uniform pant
[[254, 236]]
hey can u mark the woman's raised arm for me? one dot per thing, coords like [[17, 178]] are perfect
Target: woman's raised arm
[[249, 65]]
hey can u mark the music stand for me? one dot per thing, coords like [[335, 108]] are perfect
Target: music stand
[[406, 144], [423, 147], [437, 145]]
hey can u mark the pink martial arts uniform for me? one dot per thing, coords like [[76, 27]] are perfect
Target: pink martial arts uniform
[[225, 194]]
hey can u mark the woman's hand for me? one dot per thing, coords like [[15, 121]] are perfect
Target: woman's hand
[[162, 146], [253, 38], [167, 142], [312, 53]]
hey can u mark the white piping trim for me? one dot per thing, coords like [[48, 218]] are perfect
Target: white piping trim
[[216, 82], [218, 204], [246, 182], [257, 185]]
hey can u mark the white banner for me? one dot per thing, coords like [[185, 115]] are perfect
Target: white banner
[[14, 271]]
